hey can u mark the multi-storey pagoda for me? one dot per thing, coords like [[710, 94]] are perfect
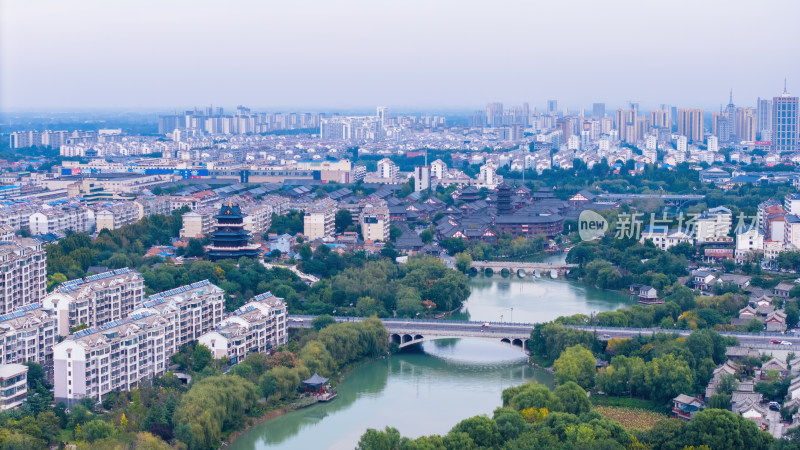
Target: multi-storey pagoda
[[230, 240]]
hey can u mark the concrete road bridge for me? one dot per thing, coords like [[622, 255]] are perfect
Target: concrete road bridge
[[524, 268], [405, 332]]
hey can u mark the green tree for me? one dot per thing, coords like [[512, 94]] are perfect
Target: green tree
[[667, 376], [727, 384], [574, 398], [719, 401], [463, 261], [575, 364], [719, 428], [97, 429], [481, 429], [343, 220], [322, 321], [194, 248], [201, 357], [372, 439], [509, 422]]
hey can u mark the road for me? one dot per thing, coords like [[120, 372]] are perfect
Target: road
[[756, 340]]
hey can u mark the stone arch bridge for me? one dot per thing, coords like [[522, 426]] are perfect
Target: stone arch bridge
[[524, 268]]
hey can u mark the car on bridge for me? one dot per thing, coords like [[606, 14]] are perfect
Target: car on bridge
[[774, 341], [485, 325], [786, 343]]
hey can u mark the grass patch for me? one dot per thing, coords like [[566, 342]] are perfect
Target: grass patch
[[631, 418], [628, 402]]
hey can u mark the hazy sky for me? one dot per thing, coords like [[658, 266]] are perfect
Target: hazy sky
[[407, 54]]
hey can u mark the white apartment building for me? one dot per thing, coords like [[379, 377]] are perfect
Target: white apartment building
[[712, 144], [791, 231], [18, 215], [258, 220], [664, 238], [13, 385], [438, 169], [747, 242], [258, 326], [198, 223], [196, 309], [488, 176], [27, 334], [280, 205], [319, 221], [375, 220], [96, 299], [149, 206], [714, 223], [111, 216], [58, 219], [115, 356], [387, 169], [23, 273], [791, 204], [6, 233], [683, 144]]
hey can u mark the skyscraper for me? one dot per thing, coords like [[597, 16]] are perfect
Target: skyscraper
[[383, 115], [785, 127], [764, 115], [598, 110], [552, 107], [494, 114], [690, 123]]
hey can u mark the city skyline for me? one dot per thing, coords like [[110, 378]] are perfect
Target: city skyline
[[413, 56]]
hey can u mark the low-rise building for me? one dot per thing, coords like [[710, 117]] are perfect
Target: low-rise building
[[664, 238], [75, 218], [13, 386], [375, 221], [714, 223], [111, 216], [319, 221]]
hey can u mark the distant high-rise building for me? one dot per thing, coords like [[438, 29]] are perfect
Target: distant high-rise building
[[422, 178], [764, 115], [598, 110], [552, 107], [673, 114], [730, 112], [785, 126], [746, 124], [494, 114], [690, 123], [660, 118], [383, 115]]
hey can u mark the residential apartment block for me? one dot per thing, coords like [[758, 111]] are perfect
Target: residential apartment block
[[76, 218], [96, 299], [27, 334], [319, 221], [714, 223], [257, 326], [23, 273], [199, 222], [195, 309], [111, 216], [375, 220], [13, 385]]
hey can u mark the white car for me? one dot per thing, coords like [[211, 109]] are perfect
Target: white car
[[786, 343]]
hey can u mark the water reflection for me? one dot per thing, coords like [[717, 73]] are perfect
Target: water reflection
[[424, 390]]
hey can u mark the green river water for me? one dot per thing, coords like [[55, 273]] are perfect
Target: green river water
[[429, 388]]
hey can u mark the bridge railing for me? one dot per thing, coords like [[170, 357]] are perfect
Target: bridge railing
[[678, 330], [400, 320]]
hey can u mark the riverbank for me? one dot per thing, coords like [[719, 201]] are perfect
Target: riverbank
[[299, 403]]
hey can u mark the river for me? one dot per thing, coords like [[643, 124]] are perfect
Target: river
[[430, 388]]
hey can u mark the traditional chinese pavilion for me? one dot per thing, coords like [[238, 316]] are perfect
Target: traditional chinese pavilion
[[318, 387], [230, 240]]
